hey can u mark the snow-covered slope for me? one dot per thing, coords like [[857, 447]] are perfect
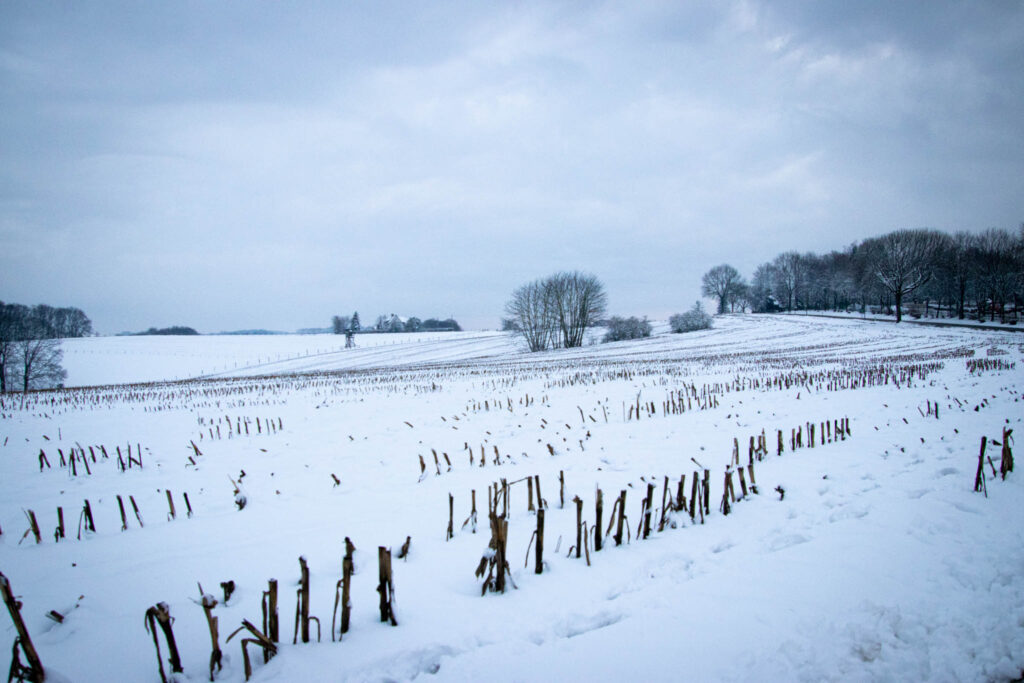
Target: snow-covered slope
[[879, 563]]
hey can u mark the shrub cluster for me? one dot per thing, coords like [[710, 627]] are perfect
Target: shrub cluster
[[694, 319], [620, 329]]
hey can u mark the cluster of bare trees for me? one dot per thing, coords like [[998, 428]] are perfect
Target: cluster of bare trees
[[30, 353], [555, 311], [725, 284], [929, 273]]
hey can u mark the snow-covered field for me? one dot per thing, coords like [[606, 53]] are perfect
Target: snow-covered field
[[879, 563], [120, 360], [909, 318]]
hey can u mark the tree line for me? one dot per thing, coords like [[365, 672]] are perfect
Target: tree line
[[174, 330], [931, 273], [30, 353], [343, 324]]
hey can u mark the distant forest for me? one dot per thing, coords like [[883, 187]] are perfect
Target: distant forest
[[343, 324], [925, 272], [175, 330]]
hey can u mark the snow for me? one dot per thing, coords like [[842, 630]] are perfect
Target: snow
[[880, 563], [137, 359], [909, 318]]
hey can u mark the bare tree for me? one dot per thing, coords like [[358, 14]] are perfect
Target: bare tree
[[955, 269], [30, 354], [788, 270], [759, 293], [998, 268], [903, 262], [78, 323], [723, 283], [38, 363], [832, 280], [557, 310], [962, 268], [532, 311], [69, 322], [580, 300], [12, 319], [739, 294]]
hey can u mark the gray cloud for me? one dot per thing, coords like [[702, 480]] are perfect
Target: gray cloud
[[229, 166]]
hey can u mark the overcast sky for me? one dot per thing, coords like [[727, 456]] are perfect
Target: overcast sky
[[232, 165]]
